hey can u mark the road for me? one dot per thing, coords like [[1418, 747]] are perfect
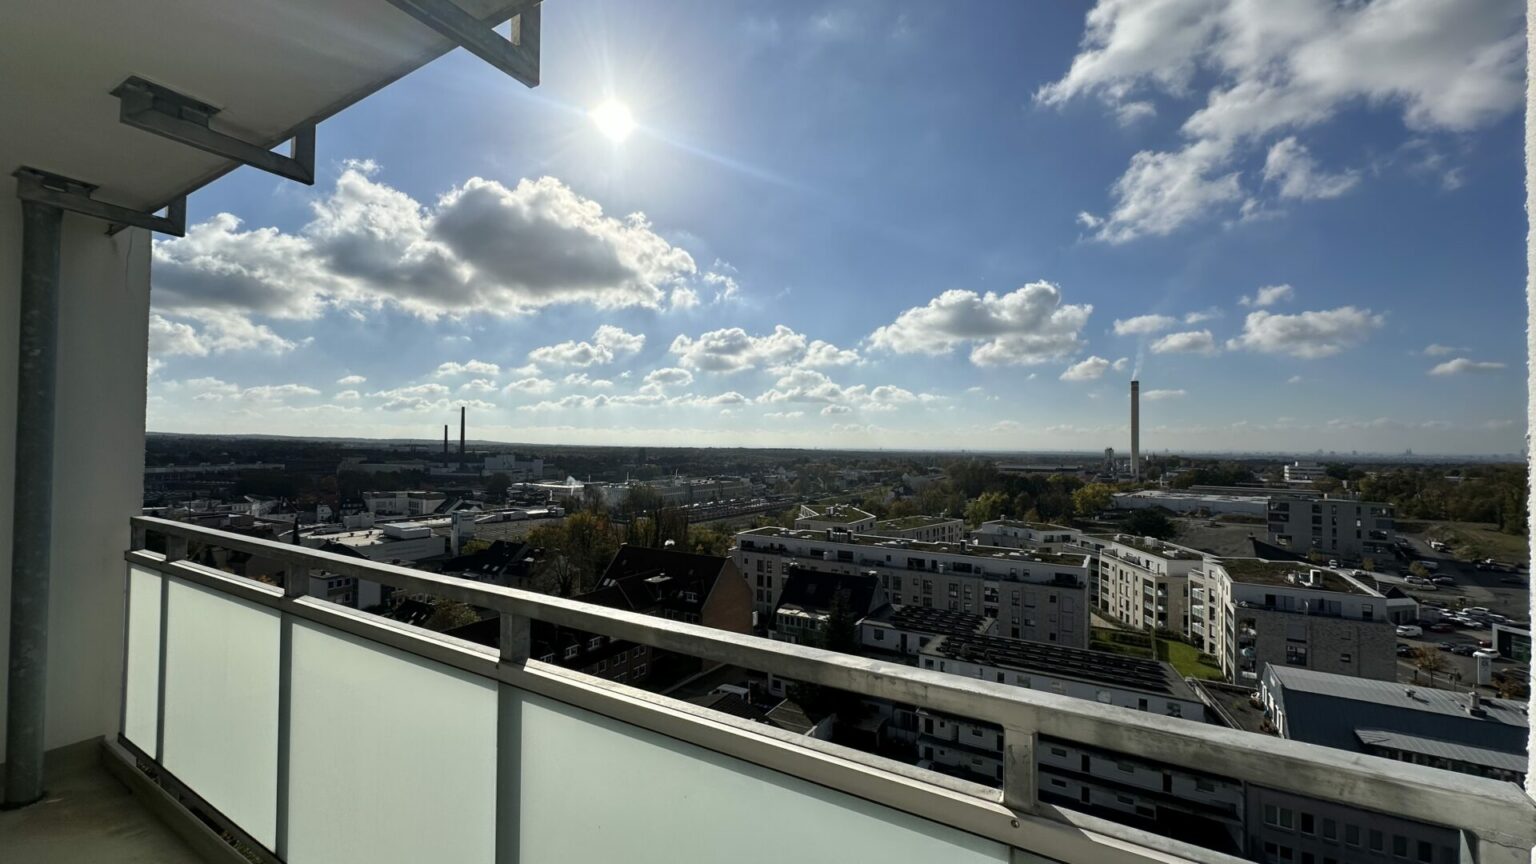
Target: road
[[1477, 587]]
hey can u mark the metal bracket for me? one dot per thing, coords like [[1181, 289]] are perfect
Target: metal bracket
[[157, 109], [75, 196], [517, 56]]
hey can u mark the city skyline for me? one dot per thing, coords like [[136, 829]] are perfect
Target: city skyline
[[1301, 233]]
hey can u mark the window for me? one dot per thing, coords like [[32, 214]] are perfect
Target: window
[[640, 671], [594, 643], [1141, 704], [1399, 846], [1330, 830], [1126, 767], [1205, 786], [1126, 800], [570, 651], [1426, 851], [1345, 657], [1378, 841], [1306, 824], [1058, 783], [602, 666], [1287, 818], [879, 634], [1352, 835], [1059, 752]]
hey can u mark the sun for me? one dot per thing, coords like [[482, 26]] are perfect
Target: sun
[[613, 120]]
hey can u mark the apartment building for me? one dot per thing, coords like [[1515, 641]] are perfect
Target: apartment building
[[845, 517], [1033, 595], [1343, 528], [1143, 581], [1251, 613], [1014, 534], [1304, 473], [903, 631], [403, 503], [928, 529]]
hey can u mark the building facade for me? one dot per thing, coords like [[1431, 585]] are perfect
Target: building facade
[[1033, 595], [1144, 582], [1250, 613], [1013, 534], [928, 529], [1342, 528], [842, 517]]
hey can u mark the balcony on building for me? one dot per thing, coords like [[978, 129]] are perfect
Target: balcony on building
[[161, 709]]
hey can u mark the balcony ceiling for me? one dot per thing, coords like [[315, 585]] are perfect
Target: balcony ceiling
[[269, 65]]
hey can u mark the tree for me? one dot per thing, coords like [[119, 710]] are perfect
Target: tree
[[1093, 499], [1151, 523], [1317, 556], [448, 614], [496, 487], [576, 550], [990, 506], [1368, 564], [1429, 661], [1418, 569]]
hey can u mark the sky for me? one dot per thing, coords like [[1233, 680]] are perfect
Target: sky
[[901, 225]]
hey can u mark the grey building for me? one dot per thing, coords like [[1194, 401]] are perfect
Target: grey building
[[1440, 728], [1344, 528]]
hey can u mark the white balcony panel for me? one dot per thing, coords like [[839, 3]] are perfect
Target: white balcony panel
[[221, 685], [141, 692], [644, 798], [392, 758]]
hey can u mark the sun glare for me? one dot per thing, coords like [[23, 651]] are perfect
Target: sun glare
[[613, 120]]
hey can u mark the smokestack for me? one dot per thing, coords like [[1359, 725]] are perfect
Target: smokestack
[[1135, 429], [445, 445], [462, 410]]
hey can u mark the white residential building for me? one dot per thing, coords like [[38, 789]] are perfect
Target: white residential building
[[1303, 473], [845, 517], [516, 469], [1339, 527], [1142, 581], [929, 529], [1014, 534], [403, 503], [1034, 595]]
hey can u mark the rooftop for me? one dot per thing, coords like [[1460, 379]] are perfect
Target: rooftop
[[1483, 757], [906, 523], [941, 548], [843, 514], [1033, 526], [1193, 496], [1046, 658], [925, 619], [1153, 546], [1257, 571], [1395, 695]]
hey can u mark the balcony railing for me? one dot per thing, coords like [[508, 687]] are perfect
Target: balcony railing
[[314, 732]]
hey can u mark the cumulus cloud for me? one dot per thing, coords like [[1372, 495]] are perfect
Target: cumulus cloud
[[1203, 315], [1295, 173], [1188, 342], [1438, 350], [534, 385], [473, 367], [167, 338], [784, 415], [416, 397], [1090, 369], [581, 379], [608, 343], [1269, 69], [480, 248], [1308, 334], [1157, 395], [1030, 325], [478, 385], [1269, 295], [813, 387], [347, 396], [669, 377], [1462, 365], [733, 349], [1142, 325], [209, 389], [351, 380]]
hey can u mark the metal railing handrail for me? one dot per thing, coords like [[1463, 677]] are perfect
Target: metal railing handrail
[[1495, 812]]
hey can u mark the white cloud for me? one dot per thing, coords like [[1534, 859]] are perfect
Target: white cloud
[[784, 415], [210, 389], [1438, 350], [1203, 315], [1270, 68], [1294, 379], [1308, 334], [732, 349], [1142, 325], [530, 385], [669, 377], [608, 343], [1188, 342], [581, 379], [1462, 365], [1293, 170], [417, 397], [835, 410], [1269, 295], [1090, 369], [1088, 220], [1158, 395], [351, 380], [347, 396], [1118, 366], [725, 285], [478, 385], [480, 248], [473, 367], [1027, 326], [168, 338], [684, 297]]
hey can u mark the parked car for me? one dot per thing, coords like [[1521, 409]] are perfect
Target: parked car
[[1476, 610], [1445, 646], [1415, 580], [1484, 643], [1463, 649], [1442, 627], [1333, 562], [1443, 580], [1486, 652], [1410, 631], [1404, 649], [1430, 565]]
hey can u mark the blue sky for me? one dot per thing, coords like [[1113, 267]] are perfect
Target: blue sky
[[882, 224]]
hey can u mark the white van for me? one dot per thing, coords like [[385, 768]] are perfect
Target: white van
[[1410, 631]]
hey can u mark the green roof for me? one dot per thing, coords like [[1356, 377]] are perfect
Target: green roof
[[1257, 571]]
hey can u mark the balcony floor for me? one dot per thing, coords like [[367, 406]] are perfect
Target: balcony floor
[[87, 815]]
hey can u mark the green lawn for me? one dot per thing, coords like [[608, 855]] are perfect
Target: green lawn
[[1186, 659], [1475, 540]]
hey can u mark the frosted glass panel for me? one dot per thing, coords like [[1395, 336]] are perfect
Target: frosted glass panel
[[392, 758], [596, 789], [142, 689], [221, 683]]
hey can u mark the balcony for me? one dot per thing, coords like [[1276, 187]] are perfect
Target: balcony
[[307, 731]]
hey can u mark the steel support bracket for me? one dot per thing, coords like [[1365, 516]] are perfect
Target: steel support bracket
[[517, 56], [153, 108], [75, 196]]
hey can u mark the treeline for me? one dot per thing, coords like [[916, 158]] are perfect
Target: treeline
[[977, 491], [1491, 494]]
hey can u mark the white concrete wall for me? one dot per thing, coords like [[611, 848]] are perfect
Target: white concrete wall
[[99, 460]]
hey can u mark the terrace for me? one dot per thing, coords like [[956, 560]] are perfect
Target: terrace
[[1257, 571]]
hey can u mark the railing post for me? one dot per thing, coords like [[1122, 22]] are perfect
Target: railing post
[[1020, 788], [516, 638], [175, 548], [516, 642], [295, 585]]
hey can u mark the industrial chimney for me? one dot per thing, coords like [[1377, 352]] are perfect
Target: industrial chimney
[[445, 445], [1135, 429], [462, 410]]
